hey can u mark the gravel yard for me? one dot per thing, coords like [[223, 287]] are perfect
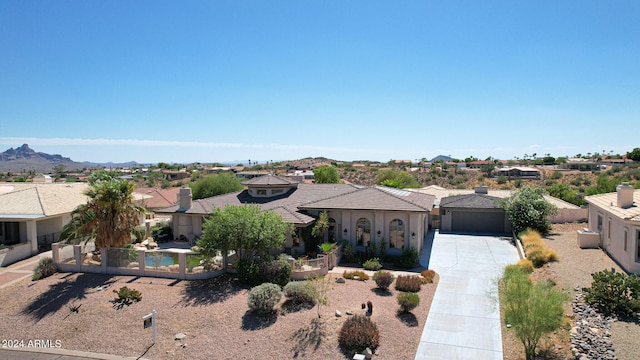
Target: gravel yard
[[213, 315], [574, 268]]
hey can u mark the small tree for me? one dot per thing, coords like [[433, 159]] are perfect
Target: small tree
[[532, 309], [634, 154], [326, 174], [244, 228], [320, 287], [527, 208]]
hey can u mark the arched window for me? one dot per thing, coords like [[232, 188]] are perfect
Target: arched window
[[396, 234], [363, 231], [332, 230]]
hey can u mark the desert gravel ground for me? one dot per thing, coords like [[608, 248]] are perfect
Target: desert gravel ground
[[213, 315], [574, 268]]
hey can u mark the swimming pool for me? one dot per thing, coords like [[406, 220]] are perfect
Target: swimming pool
[[157, 260]]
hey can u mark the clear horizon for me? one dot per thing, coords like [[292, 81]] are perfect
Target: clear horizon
[[208, 82]]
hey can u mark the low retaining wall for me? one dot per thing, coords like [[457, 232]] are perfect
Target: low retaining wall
[[14, 253], [83, 261]]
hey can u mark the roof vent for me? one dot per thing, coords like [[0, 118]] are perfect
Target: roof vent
[[625, 195], [481, 190]]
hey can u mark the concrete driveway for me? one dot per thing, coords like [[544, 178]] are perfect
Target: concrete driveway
[[464, 319]]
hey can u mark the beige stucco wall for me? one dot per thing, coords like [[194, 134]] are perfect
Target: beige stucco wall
[[613, 236], [570, 215], [187, 225], [413, 223]]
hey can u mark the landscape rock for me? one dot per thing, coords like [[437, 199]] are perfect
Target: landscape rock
[[590, 337], [340, 280], [338, 313], [180, 336]]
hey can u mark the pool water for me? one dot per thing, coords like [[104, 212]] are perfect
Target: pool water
[[159, 260]]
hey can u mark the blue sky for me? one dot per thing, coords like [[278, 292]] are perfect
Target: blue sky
[[210, 81]]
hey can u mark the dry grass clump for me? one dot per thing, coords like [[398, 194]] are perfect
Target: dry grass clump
[[526, 265], [535, 250], [427, 276], [355, 275]]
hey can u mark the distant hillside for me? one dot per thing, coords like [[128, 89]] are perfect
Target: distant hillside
[[24, 158]]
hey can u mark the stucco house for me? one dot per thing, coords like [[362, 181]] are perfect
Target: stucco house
[[32, 215], [356, 213], [616, 218], [473, 213]]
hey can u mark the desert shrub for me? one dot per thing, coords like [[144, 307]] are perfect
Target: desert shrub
[[407, 259], [248, 271], [501, 179], [408, 283], [362, 276], [45, 268], [614, 293], [556, 175], [372, 264], [127, 296], [526, 265], [383, 279], [264, 297], [301, 292], [256, 272], [276, 272], [532, 309], [428, 276], [535, 249], [408, 301], [358, 333], [348, 254]]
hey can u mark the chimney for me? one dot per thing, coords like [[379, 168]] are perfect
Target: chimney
[[482, 190], [625, 195], [184, 198]]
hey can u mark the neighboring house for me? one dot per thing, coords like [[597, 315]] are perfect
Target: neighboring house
[[616, 217], [32, 215], [356, 213], [567, 212], [157, 198], [519, 172], [246, 175], [473, 213], [580, 164], [43, 178]]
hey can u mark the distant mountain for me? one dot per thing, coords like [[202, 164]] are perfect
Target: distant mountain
[[24, 158], [442, 158]]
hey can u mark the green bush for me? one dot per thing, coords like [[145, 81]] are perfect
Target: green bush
[[408, 283], [264, 297], [256, 272], [407, 259], [276, 272], [408, 301], [248, 271], [501, 179], [45, 268], [383, 279], [300, 292], [358, 333], [372, 264], [362, 276], [127, 296], [614, 293], [531, 309], [348, 254]]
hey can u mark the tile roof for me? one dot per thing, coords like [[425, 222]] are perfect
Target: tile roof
[[285, 203], [376, 198], [34, 200], [269, 180], [608, 203], [475, 201], [159, 198], [440, 193], [317, 196]]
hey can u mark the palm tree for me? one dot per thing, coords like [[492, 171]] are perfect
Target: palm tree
[[110, 215]]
